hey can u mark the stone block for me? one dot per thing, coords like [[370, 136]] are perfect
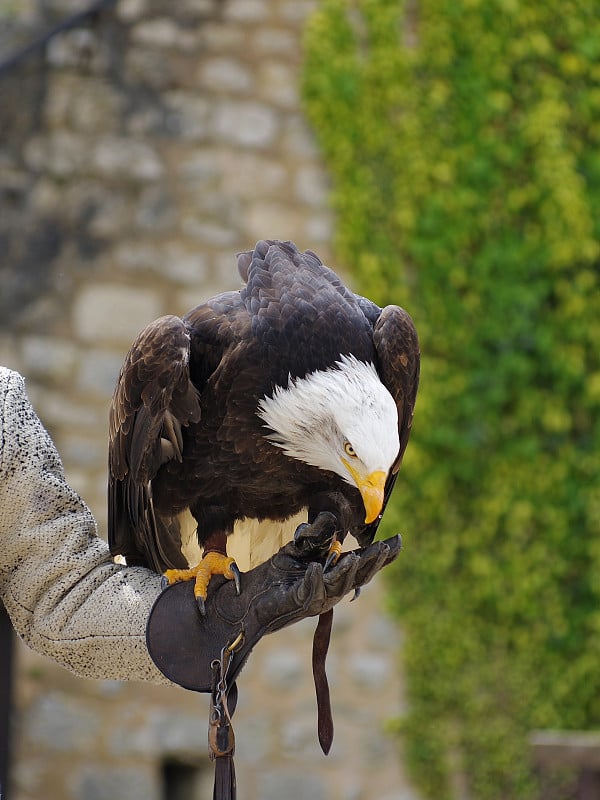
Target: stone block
[[10, 352], [201, 167], [296, 11], [82, 451], [119, 156], [131, 10], [61, 154], [299, 785], [149, 68], [171, 261], [184, 266], [106, 211], [79, 48], [155, 210], [254, 736], [53, 359], [311, 186], [247, 10], [246, 124], [84, 104], [131, 740], [59, 723], [137, 257], [370, 670], [186, 115], [59, 99], [252, 175], [56, 410], [163, 32], [145, 120], [274, 41], [299, 739], [384, 634], [220, 74], [57, 7], [64, 153], [194, 11], [319, 228], [98, 371], [283, 668], [218, 38], [272, 220], [112, 312], [97, 106], [403, 793], [29, 777], [351, 789], [297, 138], [277, 84], [208, 233], [96, 782], [182, 734]]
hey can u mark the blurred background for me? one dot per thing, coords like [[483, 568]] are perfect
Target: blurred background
[[442, 155]]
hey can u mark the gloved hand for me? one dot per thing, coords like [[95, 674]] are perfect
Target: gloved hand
[[290, 586]]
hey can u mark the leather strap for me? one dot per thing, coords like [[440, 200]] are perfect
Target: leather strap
[[319, 655], [221, 739]]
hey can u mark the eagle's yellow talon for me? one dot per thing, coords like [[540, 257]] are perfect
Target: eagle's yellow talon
[[213, 563], [171, 576]]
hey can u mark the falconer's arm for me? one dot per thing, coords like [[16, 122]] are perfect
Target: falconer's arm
[[65, 596]]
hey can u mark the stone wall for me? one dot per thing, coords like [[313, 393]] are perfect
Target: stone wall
[[139, 151]]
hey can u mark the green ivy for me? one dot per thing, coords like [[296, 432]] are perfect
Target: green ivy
[[463, 141]]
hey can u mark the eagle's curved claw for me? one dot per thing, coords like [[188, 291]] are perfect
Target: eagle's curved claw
[[335, 551], [237, 577], [300, 531]]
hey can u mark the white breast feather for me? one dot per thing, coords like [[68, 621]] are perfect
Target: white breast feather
[[251, 543]]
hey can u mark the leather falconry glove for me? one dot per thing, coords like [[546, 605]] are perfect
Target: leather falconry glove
[[205, 653], [288, 587]]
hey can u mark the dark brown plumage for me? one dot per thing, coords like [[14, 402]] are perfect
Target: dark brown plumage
[[185, 428]]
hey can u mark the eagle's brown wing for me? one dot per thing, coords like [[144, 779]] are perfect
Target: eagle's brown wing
[[153, 399], [398, 364], [397, 347]]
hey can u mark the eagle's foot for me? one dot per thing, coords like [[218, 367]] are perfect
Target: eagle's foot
[[319, 539], [212, 563]]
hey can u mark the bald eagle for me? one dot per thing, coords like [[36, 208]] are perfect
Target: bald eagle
[[287, 398]]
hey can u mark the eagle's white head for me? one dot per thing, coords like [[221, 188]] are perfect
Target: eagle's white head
[[341, 419]]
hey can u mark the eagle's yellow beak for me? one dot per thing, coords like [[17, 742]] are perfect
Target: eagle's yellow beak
[[371, 488]]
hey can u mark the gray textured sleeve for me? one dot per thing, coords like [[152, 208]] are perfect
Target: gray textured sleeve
[[65, 596]]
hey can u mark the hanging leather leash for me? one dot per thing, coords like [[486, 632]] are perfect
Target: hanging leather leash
[[221, 738], [319, 654]]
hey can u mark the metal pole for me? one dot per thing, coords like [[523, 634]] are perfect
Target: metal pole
[[6, 659]]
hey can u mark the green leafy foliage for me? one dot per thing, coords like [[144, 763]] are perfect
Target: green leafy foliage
[[463, 140]]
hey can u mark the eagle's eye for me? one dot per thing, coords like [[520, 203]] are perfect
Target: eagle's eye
[[349, 450]]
